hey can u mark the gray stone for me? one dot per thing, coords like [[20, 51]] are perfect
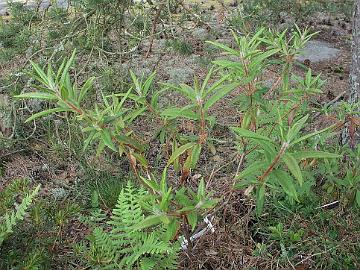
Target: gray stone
[[180, 75], [5, 116], [200, 34], [317, 51], [32, 4], [59, 193]]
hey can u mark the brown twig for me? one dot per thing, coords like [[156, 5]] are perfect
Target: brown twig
[[153, 29]]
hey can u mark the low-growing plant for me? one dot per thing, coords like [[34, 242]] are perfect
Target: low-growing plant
[[107, 123], [11, 218], [274, 147], [124, 244], [201, 97]]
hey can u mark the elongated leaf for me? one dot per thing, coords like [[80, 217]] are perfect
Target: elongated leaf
[[315, 154], [106, 136], [286, 182], [249, 134], [163, 182], [179, 151], [46, 112], [219, 94], [269, 149], [252, 169], [85, 88], [148, 222], [141, 159], [136, 83], [192, 218], [65, 71], [151, 183], [40, 73], [295, 129], [185, 90], [37, 95], [147, 84], [195, 155], [358, 197], [172, 229], [180, 112], [308, 136], [130, 142], [201, 189], [293, 167], [224, 47], [260, 199], [206, 80], [229, 64], [89, 139]]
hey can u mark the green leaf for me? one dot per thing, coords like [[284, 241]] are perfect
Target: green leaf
[[151, 183], [148, 222], [260, 199], [130, 142], [299, 155], [185, 90], [147, 84], [286, 182], [224, 47], [89, 139], [179, 151], [141, 159], [195, 155], [293, 167], [192, 218], [358, 197], [206, 80], [85, 88], [41, 74], [252, 169], [65, 71], [172, 229], [163, 184], [219, 94], [201, 190], [268, 148], [295, 129], [249, 134], [312, 135], [106, 137], [180, 112], [44, 113], [37, 95], [229, 64]]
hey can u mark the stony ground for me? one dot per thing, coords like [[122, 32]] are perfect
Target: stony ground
[[328, 54]]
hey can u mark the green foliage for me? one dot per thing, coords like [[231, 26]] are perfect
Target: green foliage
[[201, 97], [9, 220], [277, 146], [108, 123], [126, 246], [180, 46], [176, 205]]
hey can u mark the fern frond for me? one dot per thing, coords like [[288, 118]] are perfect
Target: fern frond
[[125, 248], [10, 219]]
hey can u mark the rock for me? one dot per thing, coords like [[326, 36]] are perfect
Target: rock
[[5, 116], [317, 51], [59, 193], [287, 21], [200, 34], [180, 75]]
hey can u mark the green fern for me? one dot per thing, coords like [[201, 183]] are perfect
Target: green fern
[[9, 220], [119, 246]]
